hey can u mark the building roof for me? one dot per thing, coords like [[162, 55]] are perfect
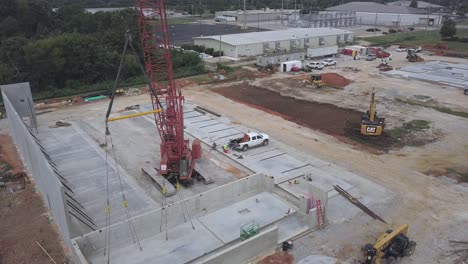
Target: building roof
[[371, 7], [261, 11], [277, 35], [421, 4]]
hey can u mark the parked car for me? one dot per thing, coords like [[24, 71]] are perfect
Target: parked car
[[316, 65], [372, 29], [329, 62], [401, 49], [382, 54], [249, 140], [295, 69], [371, 57], [415, 49], [204, 55]]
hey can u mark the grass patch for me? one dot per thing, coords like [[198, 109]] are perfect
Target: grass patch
[[418, 38], [5, 166], [444, 110], [181, 20], [462, 176], [401, 133], [417, 125], [201, 79], [408, 127]]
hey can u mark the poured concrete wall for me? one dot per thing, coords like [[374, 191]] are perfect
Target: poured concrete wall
[[148, 224], [20, 97], [265, 241], [38, 167]]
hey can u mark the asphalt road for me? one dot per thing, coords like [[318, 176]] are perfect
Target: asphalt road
[[184, 33]]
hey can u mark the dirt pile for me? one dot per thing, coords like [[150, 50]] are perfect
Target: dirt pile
[[24, 218], [280, 257], [335, 80]]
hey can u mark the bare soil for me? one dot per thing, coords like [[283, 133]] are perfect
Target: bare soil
[[24, 220], [324, 117], [280, 257], [335, 80]]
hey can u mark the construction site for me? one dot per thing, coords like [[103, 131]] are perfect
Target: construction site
[[361, 162]]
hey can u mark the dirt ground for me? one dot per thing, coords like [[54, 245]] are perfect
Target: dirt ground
[[280, 257], [434, 207], [342, 123], [24, 220], [303, 112]]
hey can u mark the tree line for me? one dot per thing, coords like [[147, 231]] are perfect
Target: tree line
[[70, 49]]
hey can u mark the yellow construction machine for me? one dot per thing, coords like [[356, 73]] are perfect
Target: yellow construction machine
[[390, 246], [315, 80], [371, 125], [413, 56]]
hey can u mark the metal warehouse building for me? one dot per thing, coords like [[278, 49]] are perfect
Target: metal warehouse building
[[368, 13], [257, 15], [258, 43]]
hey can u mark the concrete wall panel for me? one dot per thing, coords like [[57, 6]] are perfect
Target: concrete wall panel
[[149, 224], [20, 97], [38, 168], [246, 250]]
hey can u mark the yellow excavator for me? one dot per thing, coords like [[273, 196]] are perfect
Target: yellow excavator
[[390, 246], [371, 125]]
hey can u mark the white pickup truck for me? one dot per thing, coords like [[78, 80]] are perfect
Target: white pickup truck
[[249, 140]]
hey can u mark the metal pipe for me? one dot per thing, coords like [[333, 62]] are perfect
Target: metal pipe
[[133, 115]]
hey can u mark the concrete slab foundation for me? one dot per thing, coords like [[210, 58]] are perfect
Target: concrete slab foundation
[[83, 164], [217, 216], [453, 74]]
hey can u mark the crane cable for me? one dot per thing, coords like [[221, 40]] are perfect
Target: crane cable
[[182, 205], [108, 215], [107, 248]]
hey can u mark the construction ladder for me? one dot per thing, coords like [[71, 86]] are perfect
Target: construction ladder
[[320, 214]]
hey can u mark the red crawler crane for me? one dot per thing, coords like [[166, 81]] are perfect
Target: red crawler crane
[[177, 160]]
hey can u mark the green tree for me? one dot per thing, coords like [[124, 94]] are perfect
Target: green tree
[[8, 27], [448, 29], [414, 4]]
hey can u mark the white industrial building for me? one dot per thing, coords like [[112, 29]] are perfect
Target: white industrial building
[[369, 13], [420, 5], [248, 16], [266, 42]]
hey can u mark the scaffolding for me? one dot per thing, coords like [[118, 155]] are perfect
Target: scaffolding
[[319, 20], [249, 230]]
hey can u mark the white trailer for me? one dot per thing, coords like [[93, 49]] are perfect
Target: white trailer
[[321, 52], [287, 65]]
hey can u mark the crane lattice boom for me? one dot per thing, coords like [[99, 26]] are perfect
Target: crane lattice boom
[[177, 159]]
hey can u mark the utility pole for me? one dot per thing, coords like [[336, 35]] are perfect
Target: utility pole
[[219, 58], [282, 4], [245, 16], [258, 22], [427, 20], [375, 23], [398, 27]]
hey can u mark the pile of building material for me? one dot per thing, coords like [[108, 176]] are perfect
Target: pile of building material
[[132, 92], [460, 249]]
